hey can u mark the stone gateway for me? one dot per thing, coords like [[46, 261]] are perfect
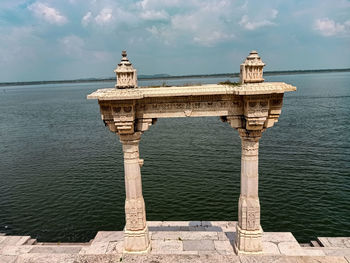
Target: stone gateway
[[250, 107]]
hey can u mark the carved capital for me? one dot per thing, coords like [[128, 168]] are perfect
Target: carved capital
[[256, 111]]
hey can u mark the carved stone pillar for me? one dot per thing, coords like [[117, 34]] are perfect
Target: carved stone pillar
[[249, 231], [136, 238]]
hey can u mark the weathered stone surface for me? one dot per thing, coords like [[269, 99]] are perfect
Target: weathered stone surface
[[198, 245], [270, 248], [13, 240], [56, 249], [166, 246], [185, 235], [339, 242], [290, 259], [15, 250], [223, 247], [97, 248], [108, 236], [7, 259], [46, 258], [115, 247], [289, 248], [277, 237], [336, 251]]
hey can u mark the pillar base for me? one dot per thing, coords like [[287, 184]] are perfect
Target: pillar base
[[137, 242], [248, 241]]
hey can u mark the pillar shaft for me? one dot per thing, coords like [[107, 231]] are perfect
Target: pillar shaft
[[136, 232], [249, 231]]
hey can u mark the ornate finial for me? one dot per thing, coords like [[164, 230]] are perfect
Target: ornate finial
[[126, 74], [252, 69]]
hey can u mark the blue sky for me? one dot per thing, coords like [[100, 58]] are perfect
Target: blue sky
[[57, 39]]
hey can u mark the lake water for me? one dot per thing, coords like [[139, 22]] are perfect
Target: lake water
[[62, 179]]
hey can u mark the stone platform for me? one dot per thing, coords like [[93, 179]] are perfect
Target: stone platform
[[181, 241]]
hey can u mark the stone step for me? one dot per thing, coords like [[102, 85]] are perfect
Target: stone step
[[305, 244], [31, 241], [58, 249], [2, 234], [62, 244], [314, 243], [337, 242], [13, 240]]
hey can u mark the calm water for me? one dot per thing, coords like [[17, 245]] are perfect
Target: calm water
[[61, 170]]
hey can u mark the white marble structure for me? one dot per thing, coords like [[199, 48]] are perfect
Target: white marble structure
[[250, 108]]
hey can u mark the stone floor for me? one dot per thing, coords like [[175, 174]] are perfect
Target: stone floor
[[182, 241]]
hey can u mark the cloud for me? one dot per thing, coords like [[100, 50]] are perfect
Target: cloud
[[249, 24], [328, 27], [49, 14], [205, 23], [73, 45], [154, 15], [86, 19], [105, 16]]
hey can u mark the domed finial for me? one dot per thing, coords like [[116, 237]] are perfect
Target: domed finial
[[252, 69], [126, 74]]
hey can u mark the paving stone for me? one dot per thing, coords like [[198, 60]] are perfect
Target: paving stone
[[55, 249], [277, 237], [213, 229], [184, 235], [115, 247], [15, 250], [166, 228], [46, 258], [2, 238], [339, 242], [289, 248], [10, 240], [263, 259], [175, 223], [226, 226], [105, 258], [347, 258], [167, 246], [97, 248], [108, 236], [289, 259], [270, 248], [7, 259], [223, 247], [207, 258], [336, 251], [198, 245], [154, 223], [195, 223]]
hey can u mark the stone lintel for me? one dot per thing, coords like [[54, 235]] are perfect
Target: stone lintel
[[208, 89]]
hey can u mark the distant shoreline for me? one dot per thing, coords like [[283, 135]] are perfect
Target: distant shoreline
[[165, 76]]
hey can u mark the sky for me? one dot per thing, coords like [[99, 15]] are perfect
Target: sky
[[71, 39]]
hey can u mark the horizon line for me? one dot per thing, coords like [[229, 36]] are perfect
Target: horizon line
[[167, 76]]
